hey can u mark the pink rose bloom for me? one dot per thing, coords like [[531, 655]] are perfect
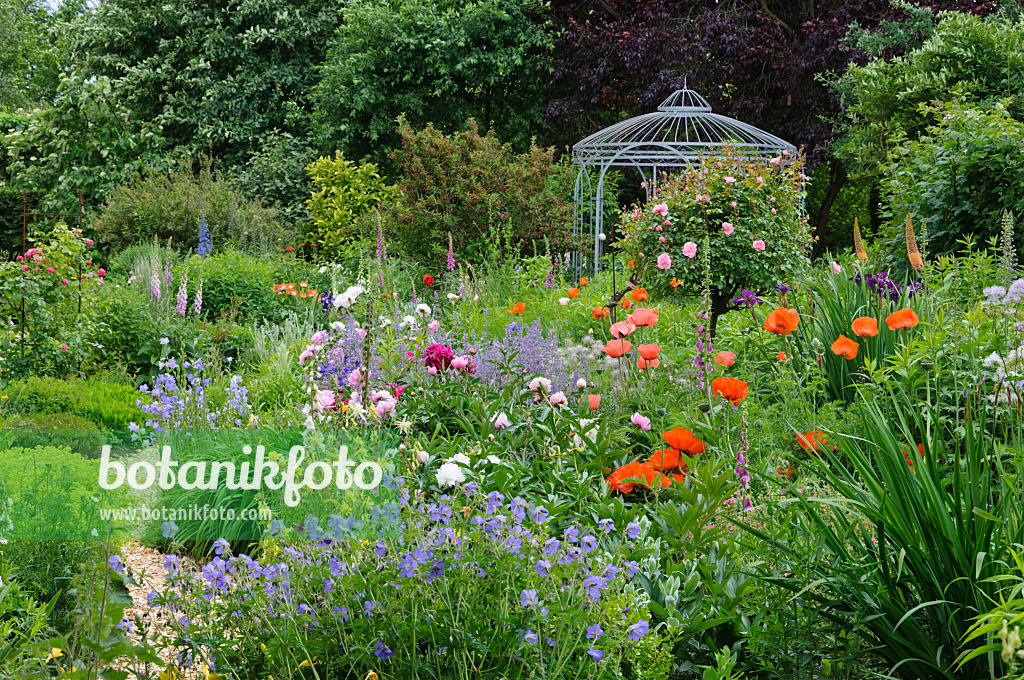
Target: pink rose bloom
[[558, 399], [728, 228], [734, 204], [24, 267], [51, 270], [324, 400], [88, 241], [65, 281], [64, 347], [758, 244], [640, 421], [730, 180], [88, 261], [661, 209], [501, 421], [661, 238], [772, 199], [664, 261], [775, 160], [690, 249], [660, 228], [102, 272], [760, 180], [773, 211], [836, 268], [19, 258]]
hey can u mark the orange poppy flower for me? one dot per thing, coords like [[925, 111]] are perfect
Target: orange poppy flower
[[782, 321], [574, 292], [724, 358], [621, 329], [782, 356], [815, 440], [910, 463], [644, 473], [584, 281], [600, 312], [902, 318], [644, 364], [682, 439], [616, 348], [650, 351], [665, 459], [845, 347], [642, 316], [303, 284], [675, 282], [517, 308], [786, 472], [626, 303], [630, 264], [593, 401], [730, 388], [639, 294], [865, 327]]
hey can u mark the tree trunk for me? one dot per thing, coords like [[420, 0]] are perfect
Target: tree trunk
[[720, 305], [836, 182]]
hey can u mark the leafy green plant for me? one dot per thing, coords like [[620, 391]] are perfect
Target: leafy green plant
[[908, 543], [345, 193]]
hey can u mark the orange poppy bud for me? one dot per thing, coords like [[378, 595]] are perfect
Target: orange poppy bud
[[626, 303], [782, 321], [639, 294], [517, 308], [574, 292], [616, 348], [650, 351], [675, 282], [584, 281], [644, 364], [724, 358], [902, 318], [845, 347], [594, 401], [865, 327]]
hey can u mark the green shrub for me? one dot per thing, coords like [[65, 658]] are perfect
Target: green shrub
[[125, 326], [41, 571], [955, 181], [63, 430], [276, 175], [169, 206], [71, 405], [473, 188], [345, 193]]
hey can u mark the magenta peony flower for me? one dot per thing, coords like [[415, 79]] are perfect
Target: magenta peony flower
[[438, 356]]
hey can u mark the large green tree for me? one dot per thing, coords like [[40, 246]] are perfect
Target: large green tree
[[30, 57], [216, 75], [436, 61]]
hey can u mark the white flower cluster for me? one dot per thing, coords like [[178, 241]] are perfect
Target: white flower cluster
[[347, 298]]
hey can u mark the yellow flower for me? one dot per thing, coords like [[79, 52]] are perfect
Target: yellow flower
[[207, 674], [370, 675], [169, 674], [55, 653], [305, 663]]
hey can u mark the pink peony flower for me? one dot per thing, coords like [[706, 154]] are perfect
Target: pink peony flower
[[65, 281], [539, 384], [438, 355], [24, 267], [558, 399], [773, 211], [431, 370], [661, 209], [434, 326], [355, 378], [324, 400], [640, 421], [690, 249], [836, 268], [50, 270], [661, 238], [460, 363], [664, 261], [728, 228], [759, 244], [501, 421]]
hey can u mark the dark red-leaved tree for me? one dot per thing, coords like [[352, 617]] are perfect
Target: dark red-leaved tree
[[765, 62]]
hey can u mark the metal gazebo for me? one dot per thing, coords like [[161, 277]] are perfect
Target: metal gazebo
[[678, 135]]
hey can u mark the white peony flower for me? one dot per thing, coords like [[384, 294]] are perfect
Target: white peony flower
[[452, 297], [581, 384], [563, 301], [423, 457], [450, 474], [460, 458], [422, 309]]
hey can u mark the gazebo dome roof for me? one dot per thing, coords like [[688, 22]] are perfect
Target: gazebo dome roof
[[681, 132]]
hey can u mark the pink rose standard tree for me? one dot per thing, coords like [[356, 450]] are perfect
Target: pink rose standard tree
[[748, 213]]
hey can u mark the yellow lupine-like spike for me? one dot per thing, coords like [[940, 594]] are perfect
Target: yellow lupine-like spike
[[913, 254], [858, 243]]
